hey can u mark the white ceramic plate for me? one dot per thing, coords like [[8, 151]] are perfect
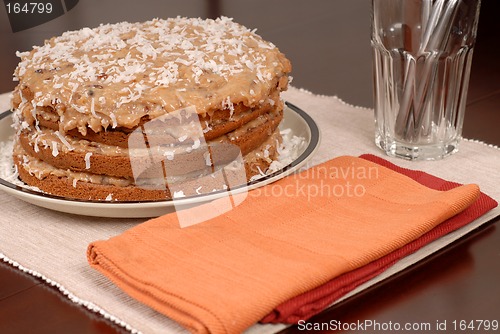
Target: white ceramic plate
[[301, 125]]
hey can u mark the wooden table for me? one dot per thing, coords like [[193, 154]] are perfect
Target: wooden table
[[328, 43]]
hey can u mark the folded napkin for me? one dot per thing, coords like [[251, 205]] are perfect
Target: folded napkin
[[316, 300], [225, 274]]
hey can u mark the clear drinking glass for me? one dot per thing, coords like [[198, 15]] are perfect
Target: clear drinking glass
[[422, 58]]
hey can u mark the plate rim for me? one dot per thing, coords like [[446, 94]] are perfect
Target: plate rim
[[312, 146]]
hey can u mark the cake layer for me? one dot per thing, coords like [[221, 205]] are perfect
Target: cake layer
[[86, 186], [65, 152]]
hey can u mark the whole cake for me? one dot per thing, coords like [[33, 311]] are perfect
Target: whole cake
[[148, 111]]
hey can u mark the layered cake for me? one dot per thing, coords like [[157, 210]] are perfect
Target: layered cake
[[148, 111]]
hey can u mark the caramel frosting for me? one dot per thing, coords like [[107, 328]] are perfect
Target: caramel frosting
[[116, 74], [41, 170], [60, 143]]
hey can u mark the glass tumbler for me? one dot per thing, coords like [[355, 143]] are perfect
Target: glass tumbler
[[422, 54]]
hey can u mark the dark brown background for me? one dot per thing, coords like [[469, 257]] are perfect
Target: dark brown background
[[328, 44]]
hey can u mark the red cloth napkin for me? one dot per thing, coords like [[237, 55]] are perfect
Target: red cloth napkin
[[308, 304]]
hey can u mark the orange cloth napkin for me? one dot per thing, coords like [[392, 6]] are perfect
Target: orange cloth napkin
[[225, 274]]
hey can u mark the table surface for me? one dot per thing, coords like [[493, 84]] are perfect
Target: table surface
[[328, 44]]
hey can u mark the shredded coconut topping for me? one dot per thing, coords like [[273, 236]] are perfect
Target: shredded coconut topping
[[115, 74]]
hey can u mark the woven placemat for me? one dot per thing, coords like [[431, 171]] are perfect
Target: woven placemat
[[52, 245]]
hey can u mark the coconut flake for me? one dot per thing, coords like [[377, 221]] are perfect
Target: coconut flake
[[92, 107], [179, 194], [87, 160], [64, 141], [196, 144], [169, 155], [113, 120], [208, 160], [55, 151]]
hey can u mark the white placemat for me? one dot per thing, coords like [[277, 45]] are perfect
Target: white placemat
[[52, 245]]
